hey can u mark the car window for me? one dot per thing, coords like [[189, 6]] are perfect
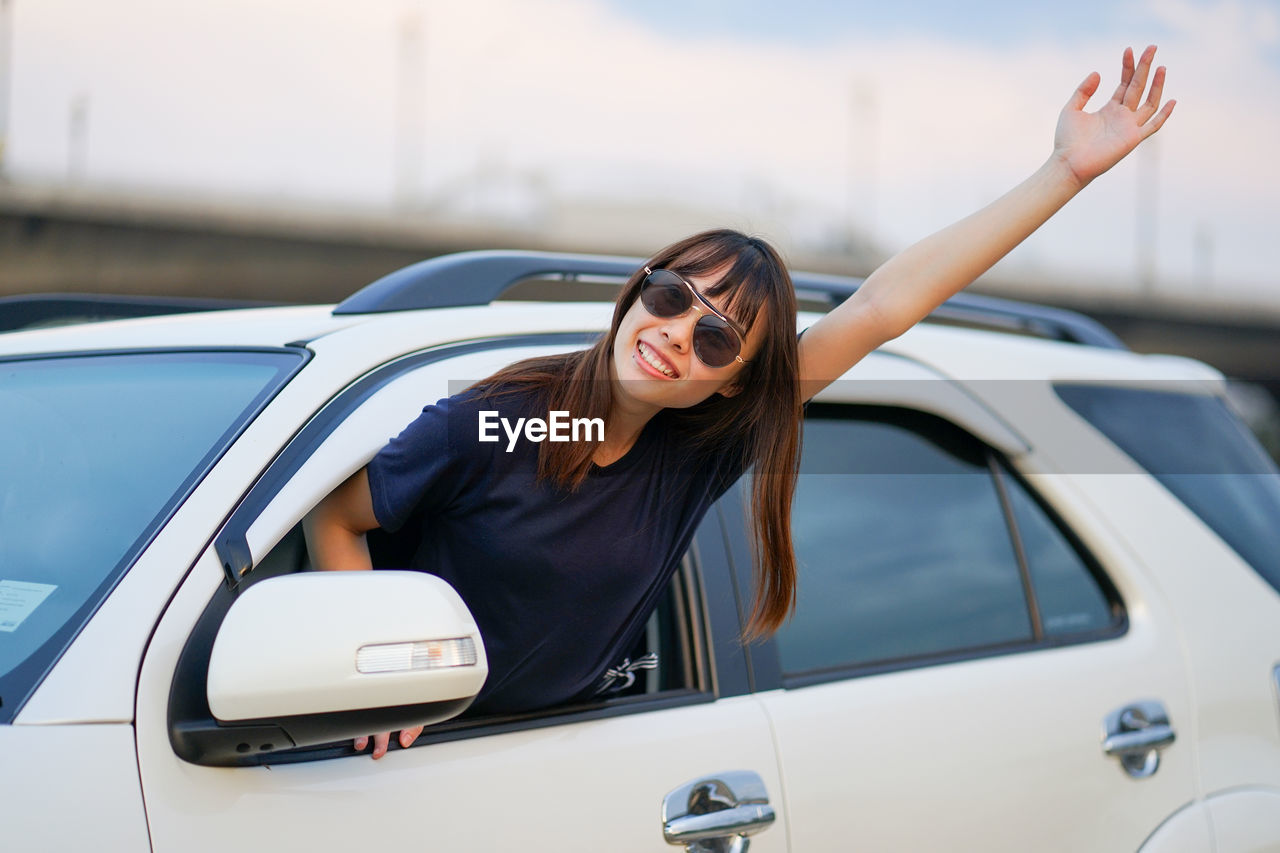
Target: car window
[[96, 452], [1066, 589], [905, 550], [340, 439], [1202, 453]]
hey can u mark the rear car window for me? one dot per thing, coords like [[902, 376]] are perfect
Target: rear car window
[[97, 451], [904, 528], [1202, 453]]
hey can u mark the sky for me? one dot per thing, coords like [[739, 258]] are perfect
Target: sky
[[803, 121]]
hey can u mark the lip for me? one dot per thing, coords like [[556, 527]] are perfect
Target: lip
[[648, 368]]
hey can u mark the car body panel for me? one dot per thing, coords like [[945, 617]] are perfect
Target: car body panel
[[235, 328], [488, 793], [1231, 656], [973, 355], [1246, 821], [962, 761], [66, 789], [883, 379], [1186, 831]]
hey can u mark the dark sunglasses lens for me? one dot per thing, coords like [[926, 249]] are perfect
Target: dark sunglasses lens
[[714, 342], [665, 295]]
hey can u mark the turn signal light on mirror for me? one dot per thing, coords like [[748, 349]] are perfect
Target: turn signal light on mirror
[[409, 657]]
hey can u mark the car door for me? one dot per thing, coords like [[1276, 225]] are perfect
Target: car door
[[588, 777], [957, 650]]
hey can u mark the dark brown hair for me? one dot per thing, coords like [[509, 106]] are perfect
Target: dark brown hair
[[763, 419]]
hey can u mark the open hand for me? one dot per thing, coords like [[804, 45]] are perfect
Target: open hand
[[383, 740], [1090, 143]]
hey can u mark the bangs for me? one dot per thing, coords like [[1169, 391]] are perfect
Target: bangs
[[746, 284]]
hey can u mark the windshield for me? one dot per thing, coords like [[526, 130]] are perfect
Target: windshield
[[95, 454], [1200, 452]]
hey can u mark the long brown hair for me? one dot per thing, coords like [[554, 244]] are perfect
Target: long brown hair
[[763, 418]]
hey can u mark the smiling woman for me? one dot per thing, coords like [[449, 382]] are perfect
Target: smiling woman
[[699, 378]]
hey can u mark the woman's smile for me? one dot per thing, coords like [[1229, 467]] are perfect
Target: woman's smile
[[648, 357]]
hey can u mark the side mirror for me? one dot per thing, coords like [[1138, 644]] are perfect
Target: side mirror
[[317, 657]]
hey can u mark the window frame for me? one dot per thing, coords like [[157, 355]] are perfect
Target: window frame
[[717, 667], [766, 663]]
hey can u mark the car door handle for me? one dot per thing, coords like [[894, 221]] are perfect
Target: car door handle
[[1125, 743], [716, 814], [741, 820], [1135, 734]]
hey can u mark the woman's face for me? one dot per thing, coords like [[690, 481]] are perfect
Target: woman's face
[[654, 364]]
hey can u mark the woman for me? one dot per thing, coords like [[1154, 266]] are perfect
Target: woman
[[562, 549]]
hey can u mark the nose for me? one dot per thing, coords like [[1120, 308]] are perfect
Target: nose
[[679, 330]]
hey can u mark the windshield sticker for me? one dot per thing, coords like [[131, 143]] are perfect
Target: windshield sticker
[[18, 599]]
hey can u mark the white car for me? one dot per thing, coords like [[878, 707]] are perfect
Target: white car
[[1038, 604]]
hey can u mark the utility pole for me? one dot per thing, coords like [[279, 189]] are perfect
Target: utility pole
[[411, 124], [6, 62], [1202, 257], [863, 165], [78, 138]]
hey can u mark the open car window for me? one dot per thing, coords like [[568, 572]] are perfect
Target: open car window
[[264, 539]]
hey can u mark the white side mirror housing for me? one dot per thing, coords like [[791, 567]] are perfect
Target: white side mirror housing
[[324, 656]]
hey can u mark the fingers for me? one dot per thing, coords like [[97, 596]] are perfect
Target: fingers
[[1126, 75], [1153, 97], [382, 742], [1138, 80], [1157, 122], [1084, 91]]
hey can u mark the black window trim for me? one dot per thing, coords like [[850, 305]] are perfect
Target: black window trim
[[767, 667]]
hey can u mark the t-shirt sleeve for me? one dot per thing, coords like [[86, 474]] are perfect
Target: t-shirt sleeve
[[428, 465]]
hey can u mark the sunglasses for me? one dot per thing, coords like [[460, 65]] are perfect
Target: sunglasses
[[717, 340]]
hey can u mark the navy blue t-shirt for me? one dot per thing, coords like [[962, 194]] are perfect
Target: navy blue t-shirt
[[560, 583]]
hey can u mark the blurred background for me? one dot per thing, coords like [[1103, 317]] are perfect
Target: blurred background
[[294, 150]]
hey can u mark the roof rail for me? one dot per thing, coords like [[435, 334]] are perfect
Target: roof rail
[[57, 309], [989, 312], [474, 278], [478, 278]]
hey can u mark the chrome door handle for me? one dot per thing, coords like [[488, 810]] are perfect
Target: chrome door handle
[[1135, 734], [740, 820], [718, 813]]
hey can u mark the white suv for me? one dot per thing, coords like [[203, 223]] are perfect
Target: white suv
[[1038, 605]]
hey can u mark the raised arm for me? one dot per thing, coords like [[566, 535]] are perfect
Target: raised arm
[[903, 291]]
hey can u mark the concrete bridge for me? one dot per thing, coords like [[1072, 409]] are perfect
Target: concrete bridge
[[59, 239]]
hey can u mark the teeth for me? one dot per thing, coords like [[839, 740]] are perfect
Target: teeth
[[652, 360]]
